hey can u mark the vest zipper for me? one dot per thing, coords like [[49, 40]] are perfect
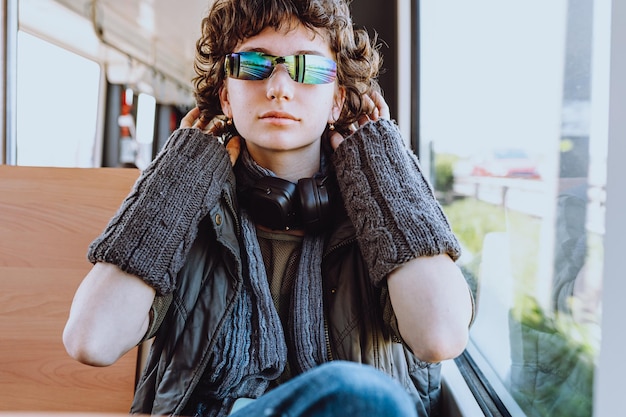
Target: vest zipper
[[329, 349], [339, 245]]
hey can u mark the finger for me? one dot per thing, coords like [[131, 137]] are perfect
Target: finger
[[381, 105], [233, 147], [335, 140], [201, 124], [368, 104], [375, 114], [363, 119], [189, 119], [216, 126]]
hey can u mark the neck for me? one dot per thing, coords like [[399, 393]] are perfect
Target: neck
[[289, 165]]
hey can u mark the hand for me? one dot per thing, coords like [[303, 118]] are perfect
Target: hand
[[193, 120], [375, 108]]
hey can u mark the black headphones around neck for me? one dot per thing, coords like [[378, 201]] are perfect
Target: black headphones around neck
[[282, 205]]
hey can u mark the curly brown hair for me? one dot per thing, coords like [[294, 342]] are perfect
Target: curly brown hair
[[229, 22]]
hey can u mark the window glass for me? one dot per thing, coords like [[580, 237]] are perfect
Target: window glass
[[57, 105], [511, 114], [145, 129]]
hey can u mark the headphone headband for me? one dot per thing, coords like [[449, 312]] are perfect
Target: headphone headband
[[282, 205]]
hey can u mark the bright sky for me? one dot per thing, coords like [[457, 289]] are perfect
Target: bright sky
[[492, 74]]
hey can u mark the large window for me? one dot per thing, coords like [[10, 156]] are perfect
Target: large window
[[513, 101], [57, 105]]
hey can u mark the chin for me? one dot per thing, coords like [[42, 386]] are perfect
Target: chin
[[282, 145]]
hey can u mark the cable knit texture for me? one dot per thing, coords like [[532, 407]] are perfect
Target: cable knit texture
[[390, 203], [152, 231]]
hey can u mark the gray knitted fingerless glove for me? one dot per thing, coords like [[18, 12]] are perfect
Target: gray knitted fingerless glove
[[390, 203], [152, 231]]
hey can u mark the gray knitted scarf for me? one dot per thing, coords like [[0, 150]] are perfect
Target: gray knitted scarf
[[251, 350]]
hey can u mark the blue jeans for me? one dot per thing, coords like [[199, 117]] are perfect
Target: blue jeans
[[339, 388]]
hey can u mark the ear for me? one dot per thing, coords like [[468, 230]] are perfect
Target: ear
[[225, 101], [338, 100]]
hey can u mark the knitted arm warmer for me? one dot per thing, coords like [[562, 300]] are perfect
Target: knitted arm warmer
[[390, 203], [152, 231]]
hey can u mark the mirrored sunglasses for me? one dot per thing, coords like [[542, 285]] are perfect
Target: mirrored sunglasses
[[306, 69]]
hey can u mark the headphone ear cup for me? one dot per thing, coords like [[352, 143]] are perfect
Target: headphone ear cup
[[314, 202], [271, 202]]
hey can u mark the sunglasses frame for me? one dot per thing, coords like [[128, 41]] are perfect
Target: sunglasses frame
[[302, 68]]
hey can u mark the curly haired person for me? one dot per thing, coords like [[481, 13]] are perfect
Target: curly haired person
[[284, 248]]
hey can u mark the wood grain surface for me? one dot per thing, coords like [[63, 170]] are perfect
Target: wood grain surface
[[48, 217]]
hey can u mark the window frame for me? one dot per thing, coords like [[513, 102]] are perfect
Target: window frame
[[8, 87], [608, 391]]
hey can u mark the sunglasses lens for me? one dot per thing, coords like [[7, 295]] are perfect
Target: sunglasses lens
[[248, 66], [314, 69], [306, 69]]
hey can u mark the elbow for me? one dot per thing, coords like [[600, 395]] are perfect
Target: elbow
[[86, 348], [439, 346]]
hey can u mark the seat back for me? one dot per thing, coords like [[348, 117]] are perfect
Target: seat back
[[48, 216]]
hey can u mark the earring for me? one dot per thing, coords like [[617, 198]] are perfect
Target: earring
[[229, 121], [331, 126]]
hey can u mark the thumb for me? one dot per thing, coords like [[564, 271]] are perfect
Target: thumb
[[335, 140], [233, 147]]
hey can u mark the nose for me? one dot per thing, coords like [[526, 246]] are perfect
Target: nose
[[280, 86]]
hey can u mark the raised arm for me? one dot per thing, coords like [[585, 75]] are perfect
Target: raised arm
[[145, 244], [109, 315], [404, 236], [433, 306]]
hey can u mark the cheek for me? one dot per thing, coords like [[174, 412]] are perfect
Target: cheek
[[240, 107], [322, 99], [242, 120], [240, 111]]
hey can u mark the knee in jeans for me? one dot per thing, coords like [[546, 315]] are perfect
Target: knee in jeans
[[348, 374], [362, 384]]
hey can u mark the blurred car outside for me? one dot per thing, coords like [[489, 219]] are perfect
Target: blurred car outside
[[507, 163]]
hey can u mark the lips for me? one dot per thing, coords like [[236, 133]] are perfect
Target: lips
[[278, 115]]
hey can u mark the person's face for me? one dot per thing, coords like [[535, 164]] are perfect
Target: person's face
[[278, 114]]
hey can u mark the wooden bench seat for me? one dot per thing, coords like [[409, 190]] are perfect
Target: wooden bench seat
[[48, 216]]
